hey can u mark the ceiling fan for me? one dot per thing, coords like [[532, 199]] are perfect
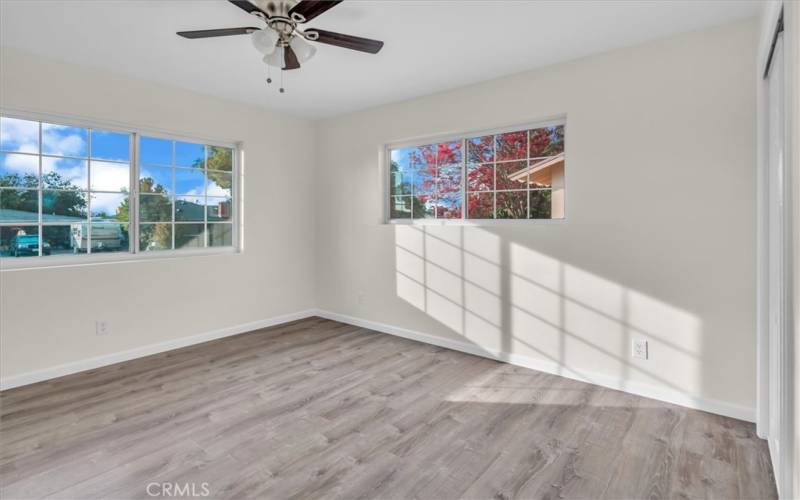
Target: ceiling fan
[[281, 41]]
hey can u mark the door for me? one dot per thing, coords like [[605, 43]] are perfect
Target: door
[[777, 279]]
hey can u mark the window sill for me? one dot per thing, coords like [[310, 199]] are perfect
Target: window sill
[[10, 264], [473, 222]]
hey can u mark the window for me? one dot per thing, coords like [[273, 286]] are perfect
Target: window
[[68, 189], [510, 175], [185, 195]]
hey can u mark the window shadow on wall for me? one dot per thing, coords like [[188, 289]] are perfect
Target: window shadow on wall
[[518, 304]]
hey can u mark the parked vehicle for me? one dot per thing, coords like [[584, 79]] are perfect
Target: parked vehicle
[[27, 244], [104, 237]]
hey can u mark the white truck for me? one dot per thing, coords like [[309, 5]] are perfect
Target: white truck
[[105, 236]]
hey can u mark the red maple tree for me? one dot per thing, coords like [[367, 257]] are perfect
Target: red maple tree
[[437, 182]]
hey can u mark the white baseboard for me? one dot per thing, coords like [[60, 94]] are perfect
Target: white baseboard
[[638, 388], [147, 350]]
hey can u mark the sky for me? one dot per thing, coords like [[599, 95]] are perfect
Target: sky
[[109, 156], [482, 149]]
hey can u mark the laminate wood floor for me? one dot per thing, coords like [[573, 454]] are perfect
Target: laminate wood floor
[[320, 409]]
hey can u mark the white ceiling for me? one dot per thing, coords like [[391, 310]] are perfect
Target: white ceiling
[[430, 45]]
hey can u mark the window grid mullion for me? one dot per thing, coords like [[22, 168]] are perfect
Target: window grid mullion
[[435, 148], [464, 201], [89, 192], [527, 178], [206, 229], [494, 176], [133, 197], [413, 182], [40, 199], [173, 195]]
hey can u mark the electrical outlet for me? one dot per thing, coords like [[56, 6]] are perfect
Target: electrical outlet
[[361, 298], [639, 349], [102, 328]]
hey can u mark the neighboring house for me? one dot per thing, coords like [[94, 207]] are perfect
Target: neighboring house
[[190, 211], [23, 217], [549, 172]]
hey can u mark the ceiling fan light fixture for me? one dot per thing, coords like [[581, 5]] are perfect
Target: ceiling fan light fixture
[[282, 43], [302, 49], [264, 40], [275, 59]]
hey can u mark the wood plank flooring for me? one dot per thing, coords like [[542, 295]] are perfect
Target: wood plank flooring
[[320, 409]]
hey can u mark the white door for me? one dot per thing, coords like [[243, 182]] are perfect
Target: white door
[[777, 228]]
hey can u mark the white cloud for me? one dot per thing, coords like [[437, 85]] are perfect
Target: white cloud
[[62, 145], [23, 164], [215, 190], [107, 176], [106, 202], [23, 136], [73, 171], [19, 135]]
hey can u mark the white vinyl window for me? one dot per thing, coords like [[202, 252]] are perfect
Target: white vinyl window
[[76, 190], [510, 174], [185, 195]]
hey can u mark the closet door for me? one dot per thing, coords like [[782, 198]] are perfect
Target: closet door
[[778, 237]]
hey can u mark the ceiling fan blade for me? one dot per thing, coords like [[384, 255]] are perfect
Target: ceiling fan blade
[[290, 59], [248, 7], [347, 41], [219, 32], [310, 9]]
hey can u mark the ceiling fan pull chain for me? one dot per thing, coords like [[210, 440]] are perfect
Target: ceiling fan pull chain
[[281, 89], [269, 75]]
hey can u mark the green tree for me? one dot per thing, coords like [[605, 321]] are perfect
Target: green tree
[[220, 159], [153, 209], [60, 196], [20, 181], [220, 166]]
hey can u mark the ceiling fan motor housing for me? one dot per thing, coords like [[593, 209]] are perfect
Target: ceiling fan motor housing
[[275, 8], [280, 20]]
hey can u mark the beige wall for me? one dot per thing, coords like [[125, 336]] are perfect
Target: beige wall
[[659, 238], [658, 241], [47, 316]]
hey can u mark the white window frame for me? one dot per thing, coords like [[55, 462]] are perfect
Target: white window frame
[[133, 254], [463, 136]]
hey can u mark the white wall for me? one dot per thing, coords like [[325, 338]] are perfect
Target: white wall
[[47, 316], [659, 238]]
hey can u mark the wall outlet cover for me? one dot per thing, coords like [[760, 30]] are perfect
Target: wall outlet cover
[[102, 328], [639, 349]]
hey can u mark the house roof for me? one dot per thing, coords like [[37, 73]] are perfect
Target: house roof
[[534, 168], [23, 217]]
